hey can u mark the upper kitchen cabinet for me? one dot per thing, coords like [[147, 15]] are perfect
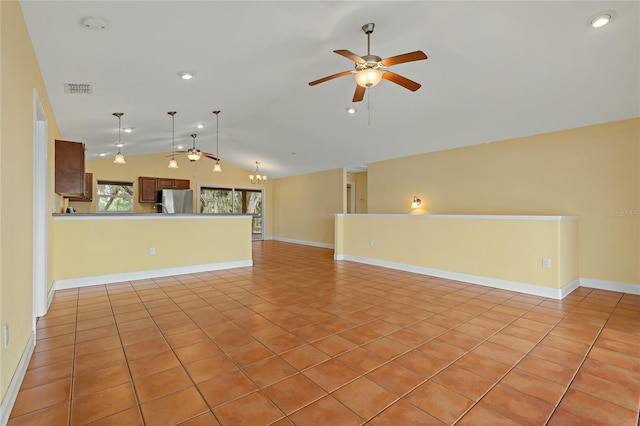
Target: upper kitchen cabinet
[[147, 189], [164, 183], [69, 168], [88, 189]]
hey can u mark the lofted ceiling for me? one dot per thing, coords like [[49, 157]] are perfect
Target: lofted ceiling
[[496, 70]]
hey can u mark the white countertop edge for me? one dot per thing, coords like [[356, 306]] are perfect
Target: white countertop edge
[[150, 216], [468, 216]]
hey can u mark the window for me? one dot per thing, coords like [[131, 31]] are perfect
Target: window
[[233, 200], [114, 197]]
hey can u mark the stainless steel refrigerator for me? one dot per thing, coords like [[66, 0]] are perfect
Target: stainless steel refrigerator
[[175, 200]]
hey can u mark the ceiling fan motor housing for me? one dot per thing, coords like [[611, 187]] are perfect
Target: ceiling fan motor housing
[[370, 61]]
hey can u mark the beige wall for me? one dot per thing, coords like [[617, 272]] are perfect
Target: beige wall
[[305, 205], [199, 173], [19, 75], [91, 247], [590, 172], [507, 249], [360, 179]]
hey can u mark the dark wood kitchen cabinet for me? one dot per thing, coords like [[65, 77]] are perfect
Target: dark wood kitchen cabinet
[[165, 183], [69, 168], [88, 189], [147, 189]]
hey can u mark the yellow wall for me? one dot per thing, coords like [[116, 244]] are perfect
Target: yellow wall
[[106, 246], [19, 75], [591, 172], [198, 172], [305, 205], [507, 249], [360, 180]]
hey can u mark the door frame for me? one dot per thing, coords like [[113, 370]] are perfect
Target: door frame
[[40, 207]]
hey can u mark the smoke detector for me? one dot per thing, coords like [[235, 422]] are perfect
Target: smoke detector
[[94, 24]]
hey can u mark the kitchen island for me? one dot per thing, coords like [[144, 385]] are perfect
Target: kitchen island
[[95, 249]]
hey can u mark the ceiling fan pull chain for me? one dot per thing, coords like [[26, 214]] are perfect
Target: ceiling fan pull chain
[[369, 105]]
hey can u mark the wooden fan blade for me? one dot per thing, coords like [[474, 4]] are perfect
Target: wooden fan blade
[[350, 55], [418, 55], [402, 81], [359, 93], [331, 77], [211, 156]]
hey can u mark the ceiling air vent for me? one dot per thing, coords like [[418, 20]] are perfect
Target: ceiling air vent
[[78, 88]]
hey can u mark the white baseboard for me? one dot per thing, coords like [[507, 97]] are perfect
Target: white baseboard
[[143, 275], [304, 243], [16, 381], [610, 285], [534, 290]]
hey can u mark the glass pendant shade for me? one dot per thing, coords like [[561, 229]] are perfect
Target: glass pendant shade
[[368, 77], [119, 159], [217, 167], [173, 164]]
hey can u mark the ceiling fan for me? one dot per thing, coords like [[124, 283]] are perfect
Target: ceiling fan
[[194, 154], [370, 69]]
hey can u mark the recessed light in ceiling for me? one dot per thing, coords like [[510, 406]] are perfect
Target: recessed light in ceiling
[[180, 147], [186, 75], [120, 145], [200, 126], [352, 110], [102, 154], [94, 24], [601, 19], [128, 129]]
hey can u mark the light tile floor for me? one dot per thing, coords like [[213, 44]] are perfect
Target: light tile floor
[[302, 339]]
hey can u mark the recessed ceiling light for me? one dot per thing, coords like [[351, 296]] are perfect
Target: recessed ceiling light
[[186, 75], [180, 147], [352, 110], [128, 129], [601, 19], [200, 126], [102, 154], [119, 145]]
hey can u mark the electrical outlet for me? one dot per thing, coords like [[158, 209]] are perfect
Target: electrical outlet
[[152, 251], [5, 334], [546, 263], [370, 243]]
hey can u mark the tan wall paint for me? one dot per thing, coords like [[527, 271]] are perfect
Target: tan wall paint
[[19, 75], [198, 172], [504, 249], [121, 245], [589, 172], [305, 205]]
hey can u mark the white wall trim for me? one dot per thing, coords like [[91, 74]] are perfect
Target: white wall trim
[[146, 216], [304, 243], [142, 275], [534, 290], [610, 285], [16, 381], [466, 216]]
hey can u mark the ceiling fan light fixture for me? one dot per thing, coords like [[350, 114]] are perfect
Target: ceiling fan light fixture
[[193, 154], [368, 77]]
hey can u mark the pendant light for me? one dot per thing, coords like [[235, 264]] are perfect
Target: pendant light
[[193, 154], [217, 167], [173, 164], [257, 178], [119, 158]]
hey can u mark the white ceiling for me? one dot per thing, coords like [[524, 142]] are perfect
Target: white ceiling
[[496, 70]]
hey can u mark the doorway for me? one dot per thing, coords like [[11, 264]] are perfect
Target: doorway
[[351, 197]]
